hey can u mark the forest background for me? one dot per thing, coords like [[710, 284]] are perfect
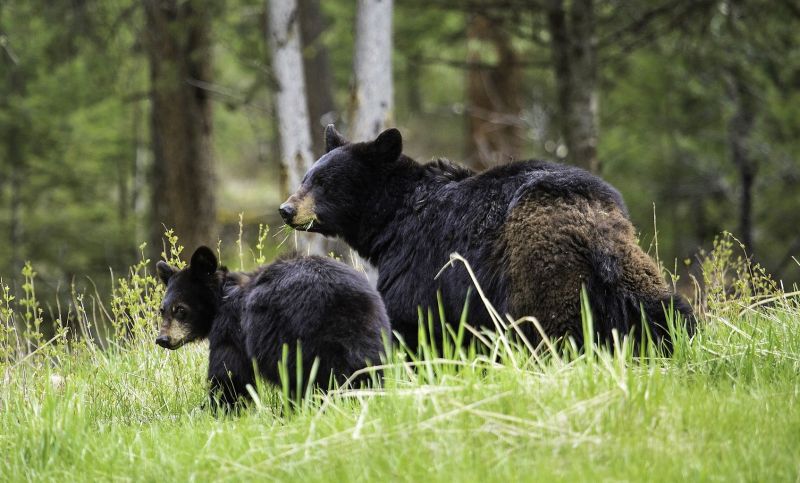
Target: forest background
[[119, 118]]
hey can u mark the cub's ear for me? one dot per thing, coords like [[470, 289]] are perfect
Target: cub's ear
[[164, 271], [203, 261], [333, 139], [388, 145]]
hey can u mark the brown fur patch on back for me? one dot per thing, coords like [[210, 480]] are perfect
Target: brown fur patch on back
[[550, 244]]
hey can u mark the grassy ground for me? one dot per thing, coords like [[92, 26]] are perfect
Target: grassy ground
[[724, 407]]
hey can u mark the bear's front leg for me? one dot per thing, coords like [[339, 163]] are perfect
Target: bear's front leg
[[224, 395], [229, 373]]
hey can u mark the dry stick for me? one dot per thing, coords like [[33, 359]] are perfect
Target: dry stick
[[463, 408], [496, 316], [500, 325], [734, 328], [768, 300], [345, 389], [38, 349]]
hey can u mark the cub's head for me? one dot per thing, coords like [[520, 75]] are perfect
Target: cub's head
[[336, 191], [191, 300]]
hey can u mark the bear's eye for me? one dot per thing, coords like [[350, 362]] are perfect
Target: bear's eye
[[161, 310], [178, 312]]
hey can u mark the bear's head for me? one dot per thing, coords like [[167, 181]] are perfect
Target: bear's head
[[335, 193], [191, 300]]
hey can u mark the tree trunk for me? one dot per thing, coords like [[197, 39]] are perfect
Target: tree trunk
[[372, 93], [494, 129], [574, 49], [740, 127], [290, 100], [14, 139], [182, 177], [318, 76], [15, 180]]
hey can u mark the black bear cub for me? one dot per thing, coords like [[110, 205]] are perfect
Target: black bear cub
[[324, 305]]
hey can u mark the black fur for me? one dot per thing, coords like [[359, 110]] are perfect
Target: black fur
[[326, 306], [407, 219]]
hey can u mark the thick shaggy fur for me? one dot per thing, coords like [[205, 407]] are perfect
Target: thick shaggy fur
[[324, 305], [534, 232]]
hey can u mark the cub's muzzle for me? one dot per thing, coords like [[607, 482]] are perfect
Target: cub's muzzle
[[173, 335]]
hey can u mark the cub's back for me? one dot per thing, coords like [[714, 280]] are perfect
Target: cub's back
[[325, 305], [315, 299]]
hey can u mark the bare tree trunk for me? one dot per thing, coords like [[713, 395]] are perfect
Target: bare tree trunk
[[177, 40], [318, 76], [17, 165], [494, 129], [740, 127], [292, 110], [141, 152], [14, 137], [574, 50], [372, 94]]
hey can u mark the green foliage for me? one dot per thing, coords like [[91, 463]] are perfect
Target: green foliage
[[729, 278]]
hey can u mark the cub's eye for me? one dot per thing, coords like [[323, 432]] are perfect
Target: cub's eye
[[178, 312], [161, 310]]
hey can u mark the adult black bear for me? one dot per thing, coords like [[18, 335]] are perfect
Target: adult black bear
[[326, 306], [534, 233]]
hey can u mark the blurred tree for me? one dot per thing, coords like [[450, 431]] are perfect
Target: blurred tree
[[291, 104], [372, 94], [740, 129], [317, 68], [14, 139], [177, 38], [493, 108], [574, 48]]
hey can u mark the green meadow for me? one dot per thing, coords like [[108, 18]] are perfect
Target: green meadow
[[95, 399]]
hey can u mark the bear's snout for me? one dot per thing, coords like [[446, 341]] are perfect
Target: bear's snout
[[298, 211], [163, 341], [287, 211]]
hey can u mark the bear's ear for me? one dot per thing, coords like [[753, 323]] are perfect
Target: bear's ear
[[164, 271], [203, 261], [388, 145], [333, 139]]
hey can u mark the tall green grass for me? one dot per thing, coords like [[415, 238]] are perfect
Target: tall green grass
[[99, 400]]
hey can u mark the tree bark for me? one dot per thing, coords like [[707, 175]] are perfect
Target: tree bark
[[573, 45], [182, 176], [15, 180], [372, 93], [740, 128], [318, 76], [494, 129], [290, 101], [14, 139]]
